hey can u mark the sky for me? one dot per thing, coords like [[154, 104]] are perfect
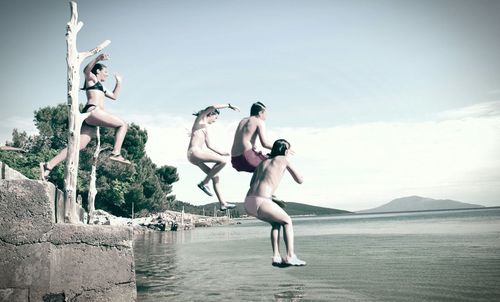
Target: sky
[[380, 99]]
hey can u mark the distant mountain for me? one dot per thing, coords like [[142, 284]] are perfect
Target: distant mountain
[[292, 208], [295, 208], [417, 203]]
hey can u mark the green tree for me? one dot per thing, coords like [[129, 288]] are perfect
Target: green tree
[[167, 176], [119, 186]]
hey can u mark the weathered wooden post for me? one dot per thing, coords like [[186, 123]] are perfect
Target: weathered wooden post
[[75, 118], [93, 176]]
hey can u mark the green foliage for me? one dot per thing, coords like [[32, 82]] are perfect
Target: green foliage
[[167, 176], [119, 186], [52, 125]]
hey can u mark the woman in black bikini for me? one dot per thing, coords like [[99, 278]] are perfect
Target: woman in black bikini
[[95, 73]]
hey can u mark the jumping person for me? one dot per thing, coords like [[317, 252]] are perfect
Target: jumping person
[[199, 156], [258, 201], [244, 155], [95, 73]]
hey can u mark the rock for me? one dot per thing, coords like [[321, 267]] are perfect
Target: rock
[[10, 174]]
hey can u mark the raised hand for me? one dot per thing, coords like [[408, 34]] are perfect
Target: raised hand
[[118, 77], [233, 107], [103, 57]]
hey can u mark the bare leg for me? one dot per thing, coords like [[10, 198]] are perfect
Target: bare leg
[[275, 239], [102, 118], [289, 239], [212, 174], [85, 137], [272, 213], [199, 158], [215, 181]]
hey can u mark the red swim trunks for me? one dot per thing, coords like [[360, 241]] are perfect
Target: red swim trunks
[[248, 161]]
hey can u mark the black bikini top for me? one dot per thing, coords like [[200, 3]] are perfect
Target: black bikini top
[[96, 86]]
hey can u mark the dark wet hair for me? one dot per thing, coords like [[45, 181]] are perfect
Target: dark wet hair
[[279, 148], [97, 66], [257, 108], [213, 112]]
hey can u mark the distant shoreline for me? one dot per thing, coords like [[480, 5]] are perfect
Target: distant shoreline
[[423, 211], [377, 213]]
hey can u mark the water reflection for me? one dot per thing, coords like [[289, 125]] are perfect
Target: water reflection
[[379, 260], [156, 262], [289, 293]]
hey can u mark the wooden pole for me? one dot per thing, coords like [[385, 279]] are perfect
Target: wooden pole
[[75, 118], [93, 176], [182, 216]]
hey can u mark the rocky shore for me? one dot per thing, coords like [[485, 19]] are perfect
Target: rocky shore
[[163, 221]]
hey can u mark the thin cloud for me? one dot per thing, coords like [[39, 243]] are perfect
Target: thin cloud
[[486, 109], [357, 166], [16, 122]]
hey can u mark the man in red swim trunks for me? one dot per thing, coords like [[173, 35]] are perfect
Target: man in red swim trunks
[[244, 156]]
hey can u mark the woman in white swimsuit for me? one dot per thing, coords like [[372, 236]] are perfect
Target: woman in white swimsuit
[[198, 155], [258, 203]]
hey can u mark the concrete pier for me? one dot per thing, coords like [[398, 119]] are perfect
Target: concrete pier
[[43, 260]]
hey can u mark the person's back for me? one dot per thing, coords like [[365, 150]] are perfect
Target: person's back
[[244, 156], [246, 135], [267, 177]]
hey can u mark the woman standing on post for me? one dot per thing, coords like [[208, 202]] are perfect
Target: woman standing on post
[[95, 73], [198, 155]]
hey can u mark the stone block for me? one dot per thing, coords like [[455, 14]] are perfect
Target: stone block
[[10, 174], [14, 294], [41, 260], [25, 266], [27, 211]]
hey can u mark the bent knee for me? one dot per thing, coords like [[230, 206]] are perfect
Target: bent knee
[[287, 221], [215, 179], [84, 141]]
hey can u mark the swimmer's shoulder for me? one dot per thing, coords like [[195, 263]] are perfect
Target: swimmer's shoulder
[[280, 160]]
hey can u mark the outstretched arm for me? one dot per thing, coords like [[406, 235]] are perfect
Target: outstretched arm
[[296, 176], [228, 105], [206, 111], [211, 147], [118, 86], [264, 141]]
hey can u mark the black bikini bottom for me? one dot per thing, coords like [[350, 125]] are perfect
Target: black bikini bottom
[[85, 110], [87, 107]]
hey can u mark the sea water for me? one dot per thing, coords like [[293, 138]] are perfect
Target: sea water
[[425, 256]]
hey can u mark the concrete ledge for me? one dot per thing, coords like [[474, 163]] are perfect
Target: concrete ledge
[[95, 235], [41, 260]]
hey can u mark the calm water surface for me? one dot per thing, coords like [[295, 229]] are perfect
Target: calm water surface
[[431, 256]]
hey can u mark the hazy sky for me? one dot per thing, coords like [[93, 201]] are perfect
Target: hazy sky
[[380, 99]]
